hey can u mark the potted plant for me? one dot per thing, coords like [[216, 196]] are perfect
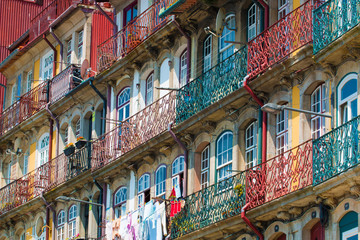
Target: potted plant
[[69, 149], [80, 142]]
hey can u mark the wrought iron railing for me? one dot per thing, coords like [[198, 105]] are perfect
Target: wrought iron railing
[[336, 151], [128, 38], [210, 205], [64, 82], [136, 130], [175, 6], [332, 20], [211, 86], [280, 40], [280, 175]]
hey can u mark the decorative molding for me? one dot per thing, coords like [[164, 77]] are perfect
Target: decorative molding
[[166, 150], [283, 215], [295, 211], [150, 158], [187, 139], [208, 126]]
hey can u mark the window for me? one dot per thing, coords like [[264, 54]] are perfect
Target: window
[[130, 12], [207, 53], [254, 13], [22, 237], [283, 8], [77, 128], [149, 90], [144, 189], [120, 202], [72, 221], [227, 49], [183, 68], [347, 98], [47, 66], [66, 135], [29, 79], [13, 94], [250, 145], [26, 163], [43, 149], [123, 104], [318, 104], [69, 52], [224, 155], [160, 181], [349, 226], [80, 45], [281, 132], [60, 225], [178, 175], [205, 168], [8, 174]]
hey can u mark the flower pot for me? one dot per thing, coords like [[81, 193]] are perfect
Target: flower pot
[[80, 144], [68, 151]]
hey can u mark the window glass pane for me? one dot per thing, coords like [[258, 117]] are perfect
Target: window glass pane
[[349, 88]]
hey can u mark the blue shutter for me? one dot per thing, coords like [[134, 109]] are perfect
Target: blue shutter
[[18, 93]]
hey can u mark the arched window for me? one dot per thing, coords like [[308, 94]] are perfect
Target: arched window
[[347, 98], [224, 149], [120, 198], [349, 226], [281, 132], [77, 128], [72, 221], [60, 225], [43, 149], [123, 104], [318, 104], [66, 135], [207, 53], [205, 168], [227, 49], [250, 145], [149, 89], [178, 175], [144, 189], [183, 68], [160, 181]]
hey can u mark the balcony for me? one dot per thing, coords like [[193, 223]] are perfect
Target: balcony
[[175, 6], [27, 105], [332, 20], [279, 176], [337, 151], [64, 82], [136, 130], [211, 86], [280, 40], [128, 38], [44, 178]]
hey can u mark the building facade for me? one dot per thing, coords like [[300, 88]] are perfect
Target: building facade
[[183, 120]]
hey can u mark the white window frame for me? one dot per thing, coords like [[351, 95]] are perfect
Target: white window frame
[[123, 105], [318, 104], [207, 53], [69, 50], [8, 174], [204, 168], [80, 47], [283, 8], [47, 64], [13, 94], [227, 49], [29, 79], [252, 20], [60, 228], [66, 135], [143, 185], [251, 145], [43, 150], [177, 167], [281, 132], [350, 233], [78, 128], [160, 181], [183, 69], [72, 221], [26, 163], [149, 89], [344, 105], [120, 199], [224, 165]]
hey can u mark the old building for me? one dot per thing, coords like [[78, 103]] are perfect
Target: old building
[[191, 120]]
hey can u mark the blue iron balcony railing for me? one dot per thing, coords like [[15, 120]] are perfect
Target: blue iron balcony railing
[[332, 20], [336, 151], [211, 86]]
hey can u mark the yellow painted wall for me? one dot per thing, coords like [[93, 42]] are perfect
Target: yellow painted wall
[[58, 59], [32, 157], [36, 73], [28, 234], [295, 119], [53, 153], [296, 4]]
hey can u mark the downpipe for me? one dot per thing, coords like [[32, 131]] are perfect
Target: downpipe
[[177, 140], [61, 47], [247, 221], [103, 212], [48, 206], [57, 128]]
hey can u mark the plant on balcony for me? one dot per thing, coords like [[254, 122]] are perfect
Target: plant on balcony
[[239, 189], [69, 149], [80, 142]]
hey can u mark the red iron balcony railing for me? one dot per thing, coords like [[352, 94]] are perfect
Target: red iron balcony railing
[[136, 130], [28, 104], [280, 175], [64, 82], [128, 38], [280, 40]]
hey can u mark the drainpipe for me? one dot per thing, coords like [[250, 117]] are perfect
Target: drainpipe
[[61, 47], [188, 50], [243, 217], [57, 127], [264, 118], [185, 157], [103, 201], [108, 106], [55, 54], [115, 30], [48, 206], [104, 103], [266, 8]]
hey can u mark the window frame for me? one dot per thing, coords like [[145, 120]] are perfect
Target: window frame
[[283, 133], [29, 79], [321, 90], [124, 104], [72, 221], [78, 128], [69, 50], [47, 68], [141, 192], [348, 100], [118, 206], [183, 68], [253, 147], [207, 47], [163, 193], [283, 8], [227, 35], [204, 170], [43, 149], [149, 91], [130, 6], [60, 226], [228, 151], [80, 48]]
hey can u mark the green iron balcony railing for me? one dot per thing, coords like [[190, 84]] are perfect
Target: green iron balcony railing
[[210, 205], [211, 86], [336, 151], [332, 20]]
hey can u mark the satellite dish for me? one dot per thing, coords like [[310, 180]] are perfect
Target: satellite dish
[[220, 19], [84, 69]]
